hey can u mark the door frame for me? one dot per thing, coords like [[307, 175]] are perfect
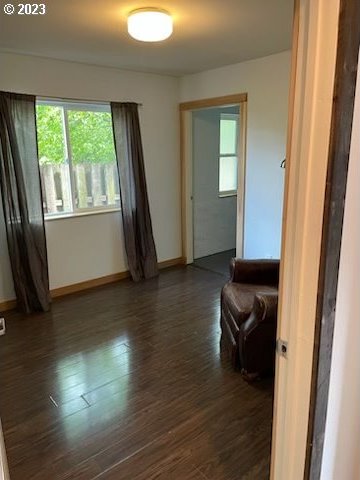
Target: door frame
[[187, 162], [310, 110], [336, 187], [4, 471]]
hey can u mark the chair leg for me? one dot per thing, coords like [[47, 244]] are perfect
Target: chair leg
[[250, 377], [229, 345]]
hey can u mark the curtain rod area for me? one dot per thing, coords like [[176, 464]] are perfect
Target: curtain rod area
[[75, 100]]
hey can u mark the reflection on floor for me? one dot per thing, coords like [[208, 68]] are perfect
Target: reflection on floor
[[218, 263], [127, 382]]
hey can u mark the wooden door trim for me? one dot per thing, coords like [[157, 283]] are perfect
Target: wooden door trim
[[223, 101], [186, 161], [4, 470], [339, 149], [306, 180], [293, 72]]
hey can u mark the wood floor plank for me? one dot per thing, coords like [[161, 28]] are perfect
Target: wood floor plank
[[128, 381]]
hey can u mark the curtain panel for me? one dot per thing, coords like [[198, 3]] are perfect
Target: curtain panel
[[139, 240], [22, 201]]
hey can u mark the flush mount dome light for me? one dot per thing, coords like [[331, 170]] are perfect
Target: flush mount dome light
[[150, 24]]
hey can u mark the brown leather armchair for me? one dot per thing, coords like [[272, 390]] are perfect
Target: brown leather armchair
[[249, 315]]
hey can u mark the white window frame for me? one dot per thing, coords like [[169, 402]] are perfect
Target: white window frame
[[236, 117], [67, 105]]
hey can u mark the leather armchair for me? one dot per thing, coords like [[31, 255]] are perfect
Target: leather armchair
[[249, 315]]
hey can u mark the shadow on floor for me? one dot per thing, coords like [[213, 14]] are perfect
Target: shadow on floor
[[217, 263]]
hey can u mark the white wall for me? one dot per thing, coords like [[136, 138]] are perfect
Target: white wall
[[266, 81], [81, 248], [214, 217], [74, 244], [342, 435]]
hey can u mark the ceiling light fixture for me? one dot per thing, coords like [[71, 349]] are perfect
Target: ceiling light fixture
[[150, 24]]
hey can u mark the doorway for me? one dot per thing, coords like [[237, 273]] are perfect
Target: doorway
[[215, 151], [213, 179]]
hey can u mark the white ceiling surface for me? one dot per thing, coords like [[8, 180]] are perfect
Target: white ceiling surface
[[207, 33]]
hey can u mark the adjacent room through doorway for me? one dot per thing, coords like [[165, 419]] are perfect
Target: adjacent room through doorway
[[216, 137]]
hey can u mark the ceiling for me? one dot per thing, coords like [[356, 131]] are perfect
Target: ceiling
[[207, 33]]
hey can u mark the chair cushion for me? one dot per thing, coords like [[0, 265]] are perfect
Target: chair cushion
[[238, 298]]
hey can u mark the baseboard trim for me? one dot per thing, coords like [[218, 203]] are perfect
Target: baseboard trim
[[88, 284], [173, 262], [7, 305], [95, 282]]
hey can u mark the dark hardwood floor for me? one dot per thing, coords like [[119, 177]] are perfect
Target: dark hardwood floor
[[127, 382], [217, 263]]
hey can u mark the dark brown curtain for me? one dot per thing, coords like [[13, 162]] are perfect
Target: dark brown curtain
[[139, 240], [22, 201]]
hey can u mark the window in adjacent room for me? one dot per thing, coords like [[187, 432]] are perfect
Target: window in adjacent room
[[228, 159], [77, 157]]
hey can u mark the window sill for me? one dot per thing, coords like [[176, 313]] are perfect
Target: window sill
[[227, 194], [87, 213]]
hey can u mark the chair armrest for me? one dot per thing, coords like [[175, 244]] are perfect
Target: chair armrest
[[257, 337], [264, 311], [258, 272]]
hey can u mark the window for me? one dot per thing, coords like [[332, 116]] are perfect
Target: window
[[228, 159], [77, 158]]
